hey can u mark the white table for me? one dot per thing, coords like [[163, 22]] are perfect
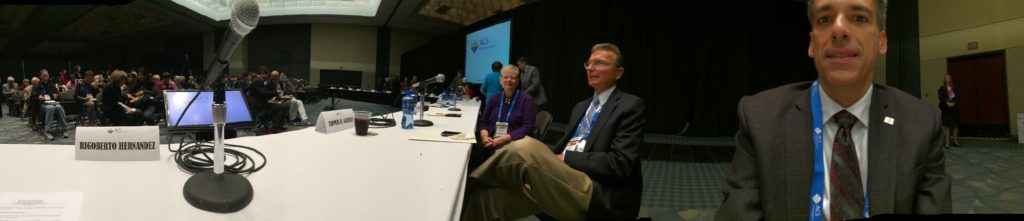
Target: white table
[[309, 176]]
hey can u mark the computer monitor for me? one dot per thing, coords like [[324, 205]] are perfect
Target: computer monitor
[[199, 116]]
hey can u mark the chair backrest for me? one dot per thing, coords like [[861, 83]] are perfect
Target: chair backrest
[[540, 124]]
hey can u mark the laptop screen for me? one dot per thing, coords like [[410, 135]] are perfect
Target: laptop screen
[[200, 114]]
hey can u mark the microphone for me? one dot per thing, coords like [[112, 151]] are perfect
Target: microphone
[[436, 79], [218, 191], [423, 122], [244, 16]]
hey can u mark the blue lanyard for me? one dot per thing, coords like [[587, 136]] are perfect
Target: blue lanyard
[[502, 104], [818, 180], [597, 111]]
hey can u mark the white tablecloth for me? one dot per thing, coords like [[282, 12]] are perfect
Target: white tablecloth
[[309, 176]]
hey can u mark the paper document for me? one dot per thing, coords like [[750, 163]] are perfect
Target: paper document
[[65, 206]]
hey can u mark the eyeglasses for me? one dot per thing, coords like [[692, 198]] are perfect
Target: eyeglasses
[[596, 64]]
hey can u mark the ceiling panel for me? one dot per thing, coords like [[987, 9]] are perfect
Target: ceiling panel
[[466, 12], [116, 21], [13, 16]]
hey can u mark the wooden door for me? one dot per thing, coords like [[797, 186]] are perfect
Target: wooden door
[[981, 82]]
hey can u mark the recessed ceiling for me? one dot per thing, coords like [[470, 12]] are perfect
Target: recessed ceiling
[[14, 16], [466, 12], [220, 10], [116, 21], [66, 30]]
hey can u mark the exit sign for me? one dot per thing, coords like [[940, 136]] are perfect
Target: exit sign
[[972, 45]]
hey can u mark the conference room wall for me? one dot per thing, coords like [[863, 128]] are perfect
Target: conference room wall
[[948, 25], [354, 47]]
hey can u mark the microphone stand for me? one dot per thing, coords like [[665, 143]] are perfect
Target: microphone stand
[[218, 191], [455, 102], [423, 104], [423, 109]]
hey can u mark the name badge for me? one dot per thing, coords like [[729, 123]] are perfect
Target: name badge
[[501, 129], [575, 144], [580, 145]]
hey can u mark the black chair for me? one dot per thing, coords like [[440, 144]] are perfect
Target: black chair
[[72, 111], [540, 125]]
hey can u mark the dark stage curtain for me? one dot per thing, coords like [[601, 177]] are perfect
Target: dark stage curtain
[[690, 64]]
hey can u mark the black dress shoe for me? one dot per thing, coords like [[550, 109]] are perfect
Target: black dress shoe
[[956, 144]]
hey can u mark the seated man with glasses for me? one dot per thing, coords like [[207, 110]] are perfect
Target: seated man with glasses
[[46, 92]]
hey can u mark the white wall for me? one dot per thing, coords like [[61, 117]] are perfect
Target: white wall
[[347, 47], [946, 26], [402, 41], [354, 47]]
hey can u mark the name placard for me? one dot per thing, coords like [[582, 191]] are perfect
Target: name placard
[[117, 143], [334, 121]]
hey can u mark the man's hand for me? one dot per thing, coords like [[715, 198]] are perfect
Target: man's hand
[[561, 156], [950, 104]]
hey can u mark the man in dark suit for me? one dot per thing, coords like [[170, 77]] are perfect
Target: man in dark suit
[[875, 151], [593, 172], [531, 81], [265, 97]]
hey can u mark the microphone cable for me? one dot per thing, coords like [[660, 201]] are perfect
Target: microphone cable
[[384, 121], [197, 156]]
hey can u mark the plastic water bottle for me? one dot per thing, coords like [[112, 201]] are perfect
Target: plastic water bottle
[[408, 109], [446, 99]]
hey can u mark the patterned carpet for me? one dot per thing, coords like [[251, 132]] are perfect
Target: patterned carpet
[[683, 175]]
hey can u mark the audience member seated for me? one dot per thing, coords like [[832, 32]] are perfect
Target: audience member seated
[[13, 96], [286, 95], [509, 116], [265, 99], [164, 83], [48, 96], [144, 99], [113, 102], [85, 94], [30, 106]]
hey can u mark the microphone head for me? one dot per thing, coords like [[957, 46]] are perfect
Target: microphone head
[[244, 16], [440, 78]]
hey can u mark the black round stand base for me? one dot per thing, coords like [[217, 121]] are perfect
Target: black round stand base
[[422, 123], [454, 109], [220, 193]]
